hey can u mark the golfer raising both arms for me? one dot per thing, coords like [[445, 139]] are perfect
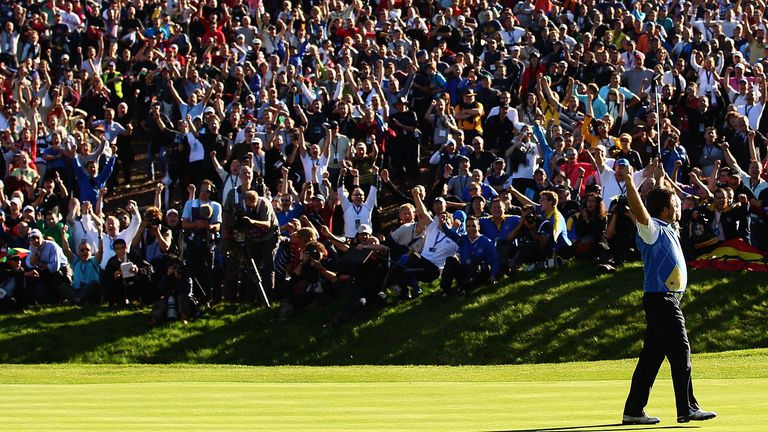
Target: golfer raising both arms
[[665, 278]]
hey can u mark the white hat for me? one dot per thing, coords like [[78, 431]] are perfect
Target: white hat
[[364, 229]]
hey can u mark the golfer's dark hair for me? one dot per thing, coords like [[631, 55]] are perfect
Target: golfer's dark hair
[[659, 199]]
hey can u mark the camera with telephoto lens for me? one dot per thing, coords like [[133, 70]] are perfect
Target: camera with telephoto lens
[[241, 224], [621, 204], [532, 218], [314, 254]]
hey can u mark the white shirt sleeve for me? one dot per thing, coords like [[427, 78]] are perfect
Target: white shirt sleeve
[[648, 233], [129, 233]]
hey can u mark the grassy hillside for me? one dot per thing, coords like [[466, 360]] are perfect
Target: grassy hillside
[[566, 315]]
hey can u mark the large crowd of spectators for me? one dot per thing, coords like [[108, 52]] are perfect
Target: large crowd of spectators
[[274, 130]]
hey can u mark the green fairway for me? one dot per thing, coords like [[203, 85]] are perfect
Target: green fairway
[[568, 396]]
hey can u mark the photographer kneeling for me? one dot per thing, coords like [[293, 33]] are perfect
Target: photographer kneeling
[[541, 235], [176, 298], [311, 279]]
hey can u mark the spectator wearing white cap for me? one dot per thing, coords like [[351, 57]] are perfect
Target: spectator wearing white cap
[[48, 267]]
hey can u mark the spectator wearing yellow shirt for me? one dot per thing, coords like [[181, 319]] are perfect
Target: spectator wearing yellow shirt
[[468, 114]]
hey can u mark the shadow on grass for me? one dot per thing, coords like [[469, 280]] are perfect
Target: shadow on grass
[[566, 315], [600, 428], [44, 342]]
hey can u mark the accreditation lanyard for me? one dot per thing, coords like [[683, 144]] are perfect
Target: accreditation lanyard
[[357, 209], [438, 239]]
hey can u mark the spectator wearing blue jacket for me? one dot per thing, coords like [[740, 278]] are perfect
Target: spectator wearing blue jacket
[[497, 228], [476, 262], [90, 180]]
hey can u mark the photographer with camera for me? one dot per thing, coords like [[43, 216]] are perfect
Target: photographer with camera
[[152, 241], [201, 221], [177, 300], [250, 237], [311, 279], [620, 234], [545, 226]]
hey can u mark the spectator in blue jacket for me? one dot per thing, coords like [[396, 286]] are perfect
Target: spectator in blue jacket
[[476, 262], [90, 180], [497, 228]]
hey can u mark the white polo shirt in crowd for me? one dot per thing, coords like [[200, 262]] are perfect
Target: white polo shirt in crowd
[[355, 216], [321, 163], [437, 246], [406, 235], [612, 187]]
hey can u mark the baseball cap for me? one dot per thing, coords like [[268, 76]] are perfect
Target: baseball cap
[[440, 199], [319, 197], [469, 91], [171, 211], [36, 233], [622, 162], [364, 229], [28, 208], [15, 200], [499, 160], [209, 110]]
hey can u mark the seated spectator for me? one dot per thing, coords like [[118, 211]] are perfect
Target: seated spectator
[[498, 227], [13, 295], [475, 264], [86, 273], [727, 220], [127, 277], [427, 266], [49, 269]]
